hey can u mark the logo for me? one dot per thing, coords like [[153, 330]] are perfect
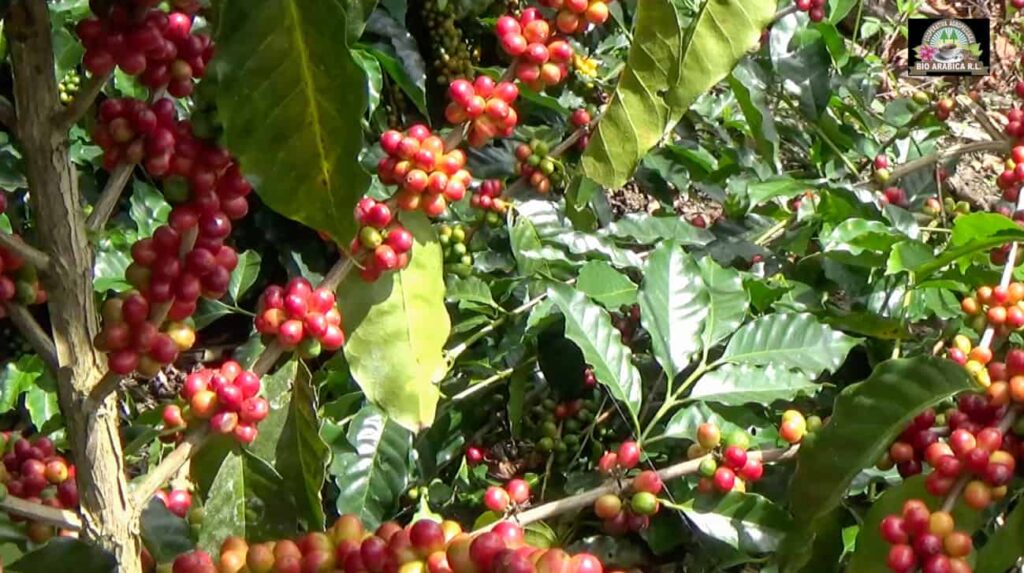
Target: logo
[[947, 47]]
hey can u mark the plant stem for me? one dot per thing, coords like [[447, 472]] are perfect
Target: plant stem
[[673, 399], [34, 333], [584, 499], [147, 485], [109, 197], [38, 512], [32, 255]]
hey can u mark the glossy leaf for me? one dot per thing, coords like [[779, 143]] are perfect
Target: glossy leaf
[[668, 67], [789, 340], [301, 456], [590, 327], [728, 301], [872, 550], [736, 384], [60, 552], [607, 286], [645, 229], [285, 97], [277, 389], [751, 95], [148, 209], [866, 418], [686, 420], [17, 378], [165, 535], [397, 327], [371, 478], [248, 498], [745, 521], [1003, 549], [244, 274], [673, 306]]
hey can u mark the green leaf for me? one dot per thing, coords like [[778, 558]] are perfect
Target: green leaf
[[686, 420], [302, 454], [872, 550], [728, 304], [371, 479], [907, 255], [532, 255], [751, 94], [1003, 549], [607, 286], [973, 226], [775, 187], [244, 274], [745, 521], [646, 229], [397, 327], [673, 306], [590, 327], [248, 498], [148, 208], [165, 535], [60, 552], [374, 78], [277, 389], [838, 9], [469, 289], [412, 86], [290, 112], [866, 418], [855, 237], [734, 384], [41, 402], [17, 378], [667, 68], [789, 340]]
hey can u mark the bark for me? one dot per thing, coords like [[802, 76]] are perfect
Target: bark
[[92, 427]]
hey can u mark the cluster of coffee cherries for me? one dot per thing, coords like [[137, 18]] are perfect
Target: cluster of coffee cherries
[[998, 307], [1012, 176], [427, 176], [18, 281], [542, 172], [485, 105], [881, 173], [1015, 120], [575, 16], [68, 87], [795, 426], [953, 208], [160, 48], [944, 108], [627, 322], [33, 470], [177, 501], [973, 358], [926, 540], [513, 496], [226, 398], [454, 241], [301, 317], [815, 9], [131, 131], [975, 446], [385, 242], [619, 515], [558, 428], [579, 119], [729, 467], [890, 195], [423, 546], [133, 342], [541, 57], [488, 199]]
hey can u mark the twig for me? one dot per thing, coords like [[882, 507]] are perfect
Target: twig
[[32, 255], [923, 162], [109, 197], [148, 484], [61, 518], [7, 115], [958, 487], [783, 13], [34, 333], [82, 102], [582, 500]]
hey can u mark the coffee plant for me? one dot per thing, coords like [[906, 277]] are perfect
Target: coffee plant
[[474, 286]]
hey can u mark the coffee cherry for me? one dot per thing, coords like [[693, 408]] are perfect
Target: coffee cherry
[[724, 480], [608, 506], [628, 455], [518, 491], [648, 481], [496, 499], [708, 435]]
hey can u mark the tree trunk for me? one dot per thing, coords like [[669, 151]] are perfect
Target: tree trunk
[[92, 427]]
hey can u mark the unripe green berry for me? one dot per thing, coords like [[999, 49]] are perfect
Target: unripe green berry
[[545, 444], [370, 238], [644, 503], [738, 438], [459, 235], [708, 466]]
